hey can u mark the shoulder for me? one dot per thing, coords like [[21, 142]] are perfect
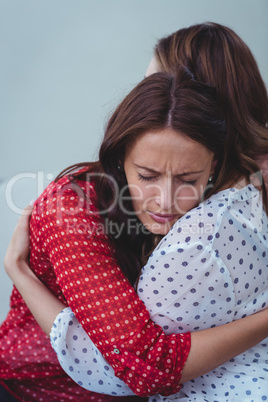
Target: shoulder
[[69, 196], [198, 225], [66, 187], [216, 215]]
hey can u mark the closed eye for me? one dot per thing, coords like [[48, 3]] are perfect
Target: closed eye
[[189, 182], [146, 178]]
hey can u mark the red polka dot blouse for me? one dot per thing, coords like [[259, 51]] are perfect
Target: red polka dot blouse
[[72, 255]]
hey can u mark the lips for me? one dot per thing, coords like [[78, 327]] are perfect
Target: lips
[[162, 218]]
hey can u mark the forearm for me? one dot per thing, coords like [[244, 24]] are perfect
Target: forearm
[[209, 348], [212, 347], [41, 302], [107, 306], [84, 262], [71, 344]]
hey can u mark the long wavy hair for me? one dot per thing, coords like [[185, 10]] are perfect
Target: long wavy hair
[[174, 100], [216, 55]]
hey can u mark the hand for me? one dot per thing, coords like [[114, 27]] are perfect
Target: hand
[[19, 246]]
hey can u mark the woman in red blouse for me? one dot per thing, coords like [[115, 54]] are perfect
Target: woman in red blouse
[[19, 342]]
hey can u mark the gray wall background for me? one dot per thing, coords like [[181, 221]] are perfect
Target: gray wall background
[[66, 64]]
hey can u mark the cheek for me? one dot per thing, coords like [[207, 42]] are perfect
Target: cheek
[[187, 197], [141, 196], [137, 197]]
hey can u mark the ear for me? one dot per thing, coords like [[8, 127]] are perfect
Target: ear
[[120, 166], [213, 165]]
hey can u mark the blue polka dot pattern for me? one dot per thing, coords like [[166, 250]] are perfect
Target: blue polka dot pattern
[[218, 273], [80, 358], [221, 274]]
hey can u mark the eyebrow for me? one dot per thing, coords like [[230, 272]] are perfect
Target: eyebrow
[[157, 172]]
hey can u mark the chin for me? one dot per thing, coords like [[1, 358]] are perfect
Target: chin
[[159, 229]]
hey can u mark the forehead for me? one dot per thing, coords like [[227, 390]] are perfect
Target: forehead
[[168, 150]]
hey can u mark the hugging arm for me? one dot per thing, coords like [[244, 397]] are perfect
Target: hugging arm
[[209, 349], [137, 339], [67, 238]]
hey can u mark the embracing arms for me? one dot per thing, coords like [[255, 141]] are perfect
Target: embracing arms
[[209, 348]]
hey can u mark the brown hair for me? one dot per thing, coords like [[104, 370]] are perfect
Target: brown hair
[[213, 55], [162, 100], [216, 55]]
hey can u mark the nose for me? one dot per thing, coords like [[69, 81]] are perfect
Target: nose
[[165, 198]]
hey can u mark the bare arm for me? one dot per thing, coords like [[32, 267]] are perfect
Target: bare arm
[[212, 347], [43, 304], [209, 348]]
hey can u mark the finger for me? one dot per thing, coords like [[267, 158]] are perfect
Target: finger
[[24, 219], [28, 210]]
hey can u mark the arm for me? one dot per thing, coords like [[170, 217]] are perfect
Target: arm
[[36, 296], [34, 292], [80, 358], [71, 247], [66, 254], [225, 341], [209, 349]]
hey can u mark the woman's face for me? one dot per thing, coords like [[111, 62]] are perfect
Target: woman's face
[[167, 174]]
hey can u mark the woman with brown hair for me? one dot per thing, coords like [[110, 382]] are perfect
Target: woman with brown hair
[[65, 208], [216, 55]]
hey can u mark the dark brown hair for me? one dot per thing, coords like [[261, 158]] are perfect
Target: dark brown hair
[[216, 55], [233, 126], [162, 100]]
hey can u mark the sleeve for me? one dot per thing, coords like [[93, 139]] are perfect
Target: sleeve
[[80, 358], [187, 287], [66, 227]]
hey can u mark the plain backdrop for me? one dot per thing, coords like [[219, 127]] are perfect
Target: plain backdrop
[[66, 64]]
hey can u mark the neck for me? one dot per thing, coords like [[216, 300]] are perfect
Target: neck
[[239, 183]]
